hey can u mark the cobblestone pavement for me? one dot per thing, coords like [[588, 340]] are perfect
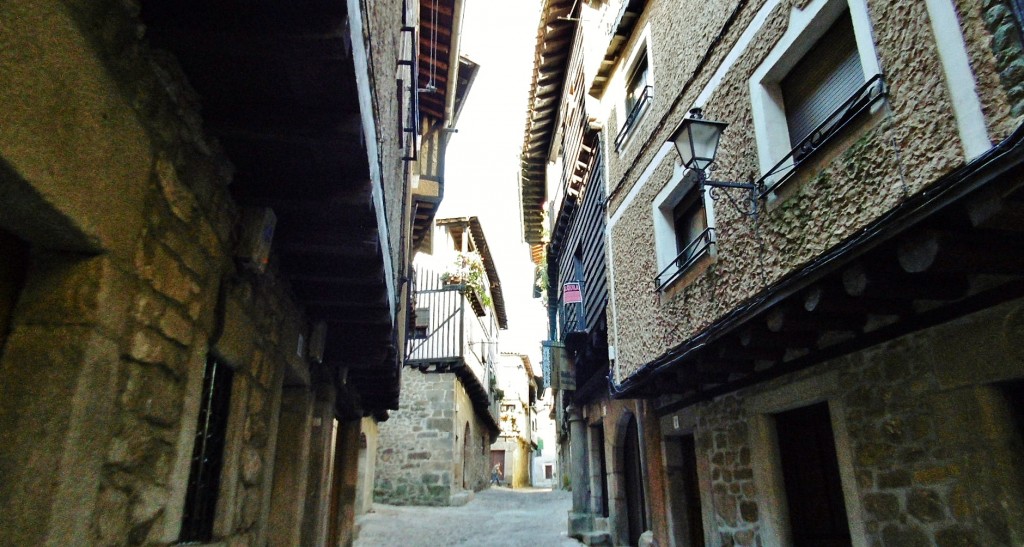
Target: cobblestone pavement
[[495, 517]]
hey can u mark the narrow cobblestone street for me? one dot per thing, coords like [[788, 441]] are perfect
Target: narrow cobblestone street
[[496, 517]]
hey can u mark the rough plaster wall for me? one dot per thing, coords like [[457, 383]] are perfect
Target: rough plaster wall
[[415, 451], [680, 32], [166, 220], [935, 459], [845, 188]]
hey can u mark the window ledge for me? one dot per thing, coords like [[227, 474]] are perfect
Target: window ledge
[[633, 119], [685, 277], [835, 135], [823, 158]]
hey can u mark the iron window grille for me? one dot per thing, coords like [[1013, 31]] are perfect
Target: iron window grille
[[686, 258], [207, 453], [860, 101], [639, 104]]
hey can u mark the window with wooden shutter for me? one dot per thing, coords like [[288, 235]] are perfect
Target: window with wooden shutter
[[828, 75]]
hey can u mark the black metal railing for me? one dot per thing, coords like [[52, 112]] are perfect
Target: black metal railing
[[445, 331], [860, 101], [572, 317], [634, 115], [690, 254]]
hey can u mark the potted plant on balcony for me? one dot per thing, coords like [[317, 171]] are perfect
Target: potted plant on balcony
[[468, 270]]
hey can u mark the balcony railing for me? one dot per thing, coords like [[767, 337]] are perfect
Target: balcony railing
[[860, 101], [686, 259], [634, 116], [456, 336]]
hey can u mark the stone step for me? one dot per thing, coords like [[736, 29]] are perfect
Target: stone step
[[459, 499], [597, 538]]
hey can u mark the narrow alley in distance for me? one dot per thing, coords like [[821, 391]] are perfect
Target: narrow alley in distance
[[497, 516]]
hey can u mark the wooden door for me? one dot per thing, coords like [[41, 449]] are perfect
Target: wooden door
[[636, 505], [691, 491], [814, 493]]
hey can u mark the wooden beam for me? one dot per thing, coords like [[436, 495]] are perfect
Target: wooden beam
[[832, 299], [975, 252], [782, 319], [759, 337], [346, 248], [878, 282], [430, 28], [719, 366], [738, 352]]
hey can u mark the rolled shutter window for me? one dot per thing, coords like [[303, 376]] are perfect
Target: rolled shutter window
[[819, 83]]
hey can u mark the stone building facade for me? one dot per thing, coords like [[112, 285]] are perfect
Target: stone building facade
[[818, 352], [547, 470], [514, 450], [145, 287], [421, 460], [564, 173], [435, 449]]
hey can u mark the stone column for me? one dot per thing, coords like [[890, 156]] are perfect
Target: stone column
[[58, 404], [580, 520]]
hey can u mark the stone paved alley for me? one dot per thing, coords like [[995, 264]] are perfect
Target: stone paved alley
[[495, 517]]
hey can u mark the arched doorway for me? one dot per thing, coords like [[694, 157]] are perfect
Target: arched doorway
[[636, 505]]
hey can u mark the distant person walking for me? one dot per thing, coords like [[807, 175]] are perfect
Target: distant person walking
[[496, 474]]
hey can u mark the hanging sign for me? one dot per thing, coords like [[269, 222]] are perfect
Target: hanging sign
[[571, 293]]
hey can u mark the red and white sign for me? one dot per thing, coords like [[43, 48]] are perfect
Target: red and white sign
[[571, 293]]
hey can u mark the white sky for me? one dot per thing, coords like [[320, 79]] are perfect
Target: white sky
[[482, 164]]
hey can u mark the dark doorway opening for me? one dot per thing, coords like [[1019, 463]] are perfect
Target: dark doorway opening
[[814, 492], [598, 446], [691, 491], [465, 458], [1014, 392], [636, 509], [14, 259]]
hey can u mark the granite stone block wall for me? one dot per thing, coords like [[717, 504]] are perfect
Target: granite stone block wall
[[424, 455], [107, 174], [416, 450], [473, 448], [929, 448]]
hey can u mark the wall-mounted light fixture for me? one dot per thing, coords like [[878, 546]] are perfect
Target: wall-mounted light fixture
[[696, 140]]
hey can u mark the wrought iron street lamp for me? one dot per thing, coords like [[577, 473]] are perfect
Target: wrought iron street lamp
[[696, 140]]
